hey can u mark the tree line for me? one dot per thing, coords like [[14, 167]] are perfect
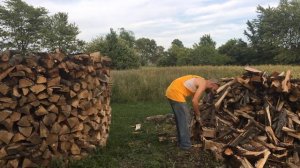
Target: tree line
[[273, 38]]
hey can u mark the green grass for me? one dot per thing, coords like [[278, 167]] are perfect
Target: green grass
[[141, 150], [142, 91], [150, 83]]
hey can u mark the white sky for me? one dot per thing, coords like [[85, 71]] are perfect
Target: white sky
[[161, 20]]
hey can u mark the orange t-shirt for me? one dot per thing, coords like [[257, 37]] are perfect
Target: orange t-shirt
[[177, 91]]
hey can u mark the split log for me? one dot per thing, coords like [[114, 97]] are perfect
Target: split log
[[258, 112], [5, 73]]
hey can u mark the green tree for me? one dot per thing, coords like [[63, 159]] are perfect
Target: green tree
[[117, 48], [206, 40], [238, 50], [128, 36], [177, 54], [59, 33], [177, 42], [205, 53], [21, 25], [275, 34], [148, 51]]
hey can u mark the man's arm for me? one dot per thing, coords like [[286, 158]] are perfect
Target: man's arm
[[197, 95]]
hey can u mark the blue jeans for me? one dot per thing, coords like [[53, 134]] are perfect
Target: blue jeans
[[182, 118]]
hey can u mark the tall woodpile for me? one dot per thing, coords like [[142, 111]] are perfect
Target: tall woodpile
[[253, 120], [52, 105]]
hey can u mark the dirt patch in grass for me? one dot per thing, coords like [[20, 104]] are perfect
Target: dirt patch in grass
[[194, 158]]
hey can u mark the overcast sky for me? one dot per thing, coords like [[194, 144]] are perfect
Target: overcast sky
[[162, 20]]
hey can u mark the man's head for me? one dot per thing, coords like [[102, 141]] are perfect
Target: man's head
[[212, 84]]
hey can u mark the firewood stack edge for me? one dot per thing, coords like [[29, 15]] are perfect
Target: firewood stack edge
[[253, 120], [52, 105]]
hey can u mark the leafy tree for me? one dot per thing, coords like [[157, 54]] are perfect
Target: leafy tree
[[59, 33], [238, 50], [128, 36], [206, 40], [177, 42], [21, 25], [96, 44], [148, 51], [205, 53], [275, 33], [117, 48], [177, 54]]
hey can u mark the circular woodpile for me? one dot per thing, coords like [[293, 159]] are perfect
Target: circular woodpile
[[52, 105]]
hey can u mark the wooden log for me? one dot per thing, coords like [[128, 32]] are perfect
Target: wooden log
[[26, 131], [73, 121], [84, 94], [221, 98], [245, 136], [24, 82], [41, 79], [15, 116], [6, 72], [56, 128], [54, 82], [5, 136], [53, 108], [4, 114], [28, 163], [72, 94], [49, 119], [42, 96], [252, 70], [16, 92], [35, 138], [267, 110], [271, 135], [54, 98], [208, 132], [52, 139], [64, 130], [8, 124], [260, 163], [41, 111], [44, 132], [37, 88], [18, 137], [25, 91], [285, 83], [13, 163], [24, 68], [25, 121], [76, 87], [3, 152], [66, 110], [4, 89], [221, 88], [75, 150]]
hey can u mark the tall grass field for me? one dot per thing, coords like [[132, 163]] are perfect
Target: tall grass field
[[150, 83]]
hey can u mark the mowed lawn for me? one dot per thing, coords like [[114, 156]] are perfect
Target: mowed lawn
[[126, 148]]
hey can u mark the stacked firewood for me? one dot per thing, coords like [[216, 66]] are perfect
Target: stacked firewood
[[52, 105], [254, 120]]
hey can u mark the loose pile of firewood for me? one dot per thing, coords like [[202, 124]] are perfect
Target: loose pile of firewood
[[253, 120], [52, 105]]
